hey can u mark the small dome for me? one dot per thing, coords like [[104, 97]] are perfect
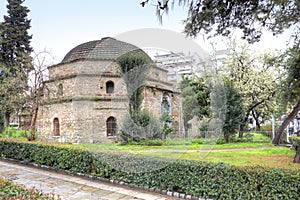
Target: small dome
[[105, 49]]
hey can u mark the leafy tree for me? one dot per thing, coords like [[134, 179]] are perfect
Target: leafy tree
[[291, 86], [222, 17], [255, 78], [234, 110], [134, 66], [166, 120], [196, 99], [217, 17], [12, 93], [15, 53]]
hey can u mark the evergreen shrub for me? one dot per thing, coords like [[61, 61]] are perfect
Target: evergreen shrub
[[206, 180], [9, 190]]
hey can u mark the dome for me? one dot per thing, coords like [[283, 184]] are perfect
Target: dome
[[105, 49]]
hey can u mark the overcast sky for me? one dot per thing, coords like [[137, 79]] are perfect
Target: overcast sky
[[60, 25]]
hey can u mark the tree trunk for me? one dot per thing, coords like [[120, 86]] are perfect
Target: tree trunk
[[7, 118], [33, 119], [32, 124], [297, 156], [242, 129], [256, 119], [226, 137], [286, 121], [186, 129]]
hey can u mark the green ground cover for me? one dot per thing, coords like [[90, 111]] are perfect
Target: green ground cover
[[257, 141], [118, 147], [146, 168], [271, 157], [9, 190], [259, 151], [13, 132]]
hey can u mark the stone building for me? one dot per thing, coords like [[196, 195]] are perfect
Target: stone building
[[85, 97]]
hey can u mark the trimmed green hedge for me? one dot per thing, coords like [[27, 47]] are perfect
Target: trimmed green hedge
[[9, 190], [57, 156], [206, 180]]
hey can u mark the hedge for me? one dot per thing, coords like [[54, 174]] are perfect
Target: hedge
[[57, 156], [11, 191], [206, 180]]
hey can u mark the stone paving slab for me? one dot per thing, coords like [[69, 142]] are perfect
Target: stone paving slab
[[71, 187]]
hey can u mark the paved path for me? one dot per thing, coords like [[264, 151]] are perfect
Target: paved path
[[71, 187]]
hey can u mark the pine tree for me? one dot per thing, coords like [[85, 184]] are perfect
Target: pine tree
[[15, 44], [234, 110], [15, 56]]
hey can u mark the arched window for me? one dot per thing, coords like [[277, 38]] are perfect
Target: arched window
[[110, 87], [56, 131], [60, 90], [165, 104], [111, 126]]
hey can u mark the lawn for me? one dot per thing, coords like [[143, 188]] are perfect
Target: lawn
[[274, 157], [258, 141], [183, 147], [261, 153]]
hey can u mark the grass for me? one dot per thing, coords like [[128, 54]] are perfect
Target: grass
[[118, 147], [261, 152], [176, 144], [271, 157], [13, 132]]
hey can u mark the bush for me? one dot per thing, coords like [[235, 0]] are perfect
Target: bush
[[248, 137], [295, 141], [8, 190], [13, 132], [198, 141], [143, 126], [206, 180], [58, 156], [215, 140], [148, 142]]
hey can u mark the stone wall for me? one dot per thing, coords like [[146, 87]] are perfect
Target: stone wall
[[47, 114], [84, 104], [80, 120], [152, 101]]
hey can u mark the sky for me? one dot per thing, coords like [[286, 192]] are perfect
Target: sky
[[59, 25]]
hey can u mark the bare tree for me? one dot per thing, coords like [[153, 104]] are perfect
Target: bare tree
[[37, 77]]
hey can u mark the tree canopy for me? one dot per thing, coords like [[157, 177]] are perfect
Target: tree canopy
[[196, 99], [234, 110], [255, 76], [15, 39], [134, 67], [215, 17], [290, 61], [15, 56]]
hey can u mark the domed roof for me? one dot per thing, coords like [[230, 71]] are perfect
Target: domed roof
[[105, 49]]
